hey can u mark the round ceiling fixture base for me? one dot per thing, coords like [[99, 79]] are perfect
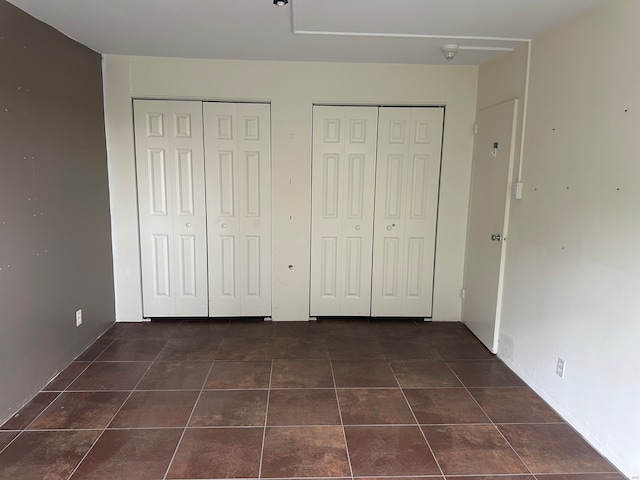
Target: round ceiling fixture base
[[449, 51]]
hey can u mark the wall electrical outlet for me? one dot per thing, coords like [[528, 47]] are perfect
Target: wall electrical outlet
[[78, 318], [560, 367]]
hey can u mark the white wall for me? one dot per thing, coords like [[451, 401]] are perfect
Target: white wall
[[292, 88], [573, 258]]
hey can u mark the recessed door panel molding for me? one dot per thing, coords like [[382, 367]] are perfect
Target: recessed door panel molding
[[332, 130], [355, 186], [330, 185], [353, 261], [329, 273], [397, 131], [224, 125], [184, 182], [418, 189], [357, 131], [157, 181], [254, 262], [390, 267], [252, 184], [343, 178], [422, 131], [238, 181], [407, 184], [161, 266], [415, 260], [224, 186], [225, 275], [155, 124], [182, 123], [394, 187], [251, 129], [187, 266], [171, 206]]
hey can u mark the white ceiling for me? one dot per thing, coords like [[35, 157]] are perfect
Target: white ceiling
[[395, 31]]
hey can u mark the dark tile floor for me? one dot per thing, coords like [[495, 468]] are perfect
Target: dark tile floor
[[327, 399]]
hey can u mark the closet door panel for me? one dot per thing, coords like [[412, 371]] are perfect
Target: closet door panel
[[390, 201], [238, 177], [408, 174], [156, 231], [171, 206], [358, 173], [254, 147], [189, 225], [343, 177], [422, 190], [223, 224]]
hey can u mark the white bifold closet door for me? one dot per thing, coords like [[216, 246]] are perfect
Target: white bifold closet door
[[406, 210], [171, 202], [375, 181], [344, 159], [238, 178]]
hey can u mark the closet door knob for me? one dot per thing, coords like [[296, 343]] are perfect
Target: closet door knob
[[357, 227], [224, 225], [188, 225]]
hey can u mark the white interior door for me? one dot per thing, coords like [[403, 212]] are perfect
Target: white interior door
[[238, 182], [343, 178], [488, 215], [406, 206], [171, 203]]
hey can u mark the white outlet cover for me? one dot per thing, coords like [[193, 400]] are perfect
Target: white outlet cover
[[78, 318]]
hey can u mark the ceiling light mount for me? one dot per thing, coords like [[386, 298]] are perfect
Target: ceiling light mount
[[449, 51], [280, 3]]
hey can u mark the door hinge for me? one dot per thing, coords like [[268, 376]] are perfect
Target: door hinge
[[475, 128]]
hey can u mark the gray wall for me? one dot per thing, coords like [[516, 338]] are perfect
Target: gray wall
[[55, 238]]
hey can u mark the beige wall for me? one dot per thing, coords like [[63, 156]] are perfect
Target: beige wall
[[292, 88], [505, 79], [573, 257], [55, 242]]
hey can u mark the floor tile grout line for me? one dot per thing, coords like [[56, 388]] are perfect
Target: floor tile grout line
[[193, 409], [101, 351], [491, 420], [288, 426], [12, 440], [433, 454], [60, 392], [112, 418], [88, 364], [344, 433], [266, 418], [26, 427], [97, 429], [149, 364]]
